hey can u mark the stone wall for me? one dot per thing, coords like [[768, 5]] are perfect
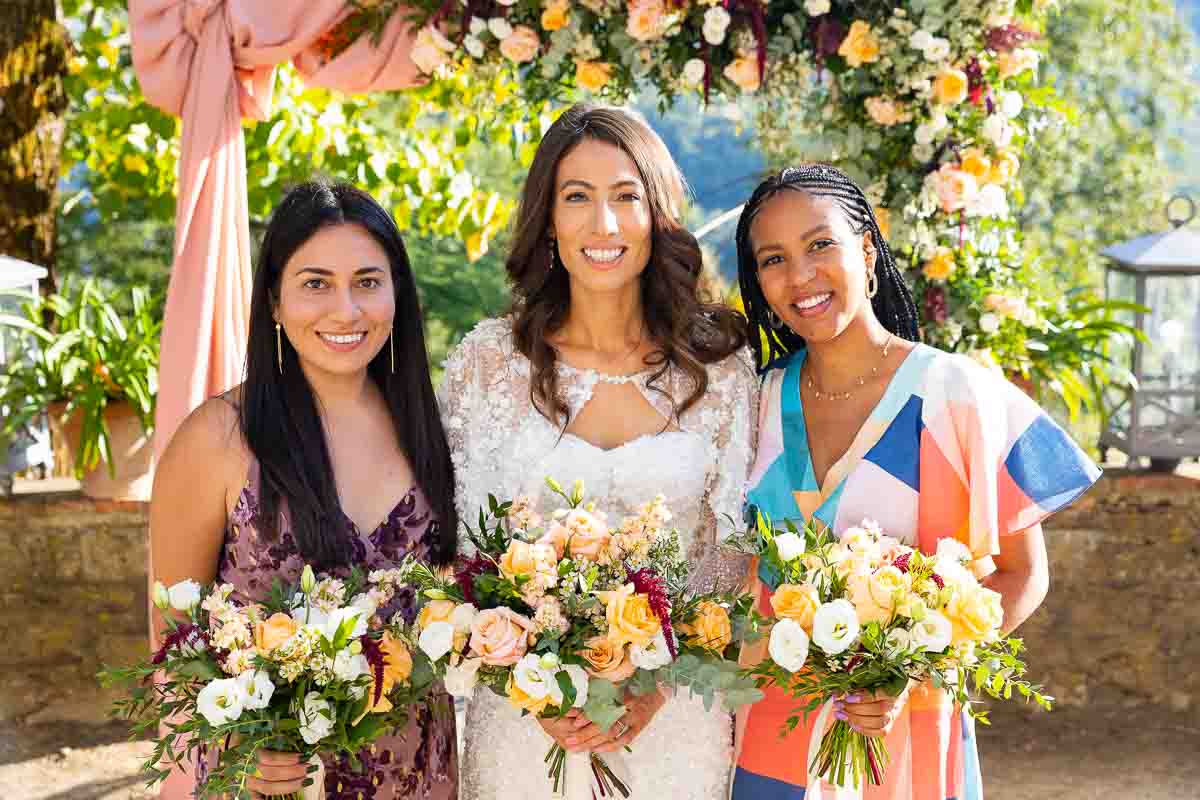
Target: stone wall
[[72, 597], [1121, 624]]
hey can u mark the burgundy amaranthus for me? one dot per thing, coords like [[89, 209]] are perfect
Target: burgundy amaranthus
[[1008, 37], [646, 581], [470, 568], [375, 656], [180, 635]]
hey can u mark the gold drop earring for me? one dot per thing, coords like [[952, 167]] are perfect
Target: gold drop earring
[[279, 347]]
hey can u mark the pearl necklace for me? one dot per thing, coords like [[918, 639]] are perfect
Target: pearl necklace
[[862, 379]]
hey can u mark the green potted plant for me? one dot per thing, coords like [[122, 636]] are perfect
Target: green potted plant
[[94, 369]]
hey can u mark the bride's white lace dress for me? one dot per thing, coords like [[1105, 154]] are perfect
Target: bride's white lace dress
[[502, 445]]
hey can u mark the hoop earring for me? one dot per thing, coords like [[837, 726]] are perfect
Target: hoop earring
[[392, 349], [279, 348], [872, 285], [774, 321]]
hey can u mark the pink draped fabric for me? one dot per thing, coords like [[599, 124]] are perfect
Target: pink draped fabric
[[212, 62]]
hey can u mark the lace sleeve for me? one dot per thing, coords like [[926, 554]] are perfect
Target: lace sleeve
[[731, 411], [456, 399]]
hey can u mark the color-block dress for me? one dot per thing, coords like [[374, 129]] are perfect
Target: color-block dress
[[951, 450]]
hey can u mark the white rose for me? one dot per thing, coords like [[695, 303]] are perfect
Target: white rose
[[221, 701], [474, 46], [924, 134], [835, 626], [462, 617], [933, 633], [713, 34], [437, 639], [716, 22], [500, 28], [460, 681], [952, 550], [478, 26], [1011, 104], [998, 130], [789, 645], [816, 8], [579, 678], [185, 595], [348, 613], [790, 546], [349, 667], [920, 39], [507, 2], [922, 152], [652, 656], [369, 605], [937, 50], [693, 72], [989, 323], [316, 718], [257, 688], [990, 201]]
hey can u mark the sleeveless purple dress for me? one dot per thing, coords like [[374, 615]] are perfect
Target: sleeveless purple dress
[[420, 761]]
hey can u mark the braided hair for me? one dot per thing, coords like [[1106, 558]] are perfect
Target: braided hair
[[893, 303]]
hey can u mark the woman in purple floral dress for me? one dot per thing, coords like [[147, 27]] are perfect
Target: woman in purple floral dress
[[330, 453]]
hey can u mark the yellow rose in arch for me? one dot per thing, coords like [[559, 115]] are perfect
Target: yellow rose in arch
[[940, 265], [950, 87], [556, 16], [861, 45], [1004, 168], [975, 162]]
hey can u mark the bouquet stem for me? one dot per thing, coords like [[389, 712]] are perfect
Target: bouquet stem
[[607, 783], [848, 758]]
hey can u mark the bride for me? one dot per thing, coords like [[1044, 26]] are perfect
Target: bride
[[610, 369]]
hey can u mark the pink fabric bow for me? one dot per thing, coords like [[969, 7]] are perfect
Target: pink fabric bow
[[212, 62]]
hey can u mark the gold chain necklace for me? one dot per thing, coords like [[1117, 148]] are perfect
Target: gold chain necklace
[[862, 379]]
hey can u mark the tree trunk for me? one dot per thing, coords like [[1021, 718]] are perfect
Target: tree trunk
[[34, 48]]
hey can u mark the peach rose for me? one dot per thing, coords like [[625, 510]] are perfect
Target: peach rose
[[436, 611], [1016, 61], [886, 111], [940, 265], [645, 17], [743, 71], [273, 632], [500, 636], [592, 75], [525, 559], [710, 628], [556, 16], [954, 188], [1004, 168], [975, 162], [607, 659], [950, 87], [556, 536], [797, 601], [589, 535], [861, 45], [521, 45], [630, 618], [397, 667], [975, 614], [430, 52]]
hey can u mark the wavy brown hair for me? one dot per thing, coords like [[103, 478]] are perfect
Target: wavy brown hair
[[689, 332]]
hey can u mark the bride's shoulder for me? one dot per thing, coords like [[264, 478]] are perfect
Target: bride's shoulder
[[735, 371], [489, 340]]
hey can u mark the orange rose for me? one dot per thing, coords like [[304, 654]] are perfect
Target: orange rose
[[592, 75], [607, 659], [556, 16], [521, 45], [950, 87], [273, 632], [884, 217], [630, 618], [975, 162], [397, 667], [797, 602], [940, 265], [710, 628], [743, 71]]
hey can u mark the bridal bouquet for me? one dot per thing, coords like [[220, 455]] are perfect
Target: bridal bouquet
[[863, 612], [318, 668], [570, 613]]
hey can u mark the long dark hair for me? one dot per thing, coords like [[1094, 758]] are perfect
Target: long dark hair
[[893, 303], [279, 416], [690, 332]]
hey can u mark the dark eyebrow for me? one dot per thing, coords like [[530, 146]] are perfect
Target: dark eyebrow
[[809, 234], [758, 251], [806, 235], [322, 271], [586, 185]]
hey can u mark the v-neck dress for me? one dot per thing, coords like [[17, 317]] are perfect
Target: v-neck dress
[[420, 761], [951, 450]]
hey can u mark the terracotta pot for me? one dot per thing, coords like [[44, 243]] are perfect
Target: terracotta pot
[[132, 450]]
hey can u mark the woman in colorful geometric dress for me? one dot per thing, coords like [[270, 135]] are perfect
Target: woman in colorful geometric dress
[[857, 420], [332, 452]]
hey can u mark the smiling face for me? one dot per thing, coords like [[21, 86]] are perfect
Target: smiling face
[[336, 301], [812, 266], [601, 218]]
